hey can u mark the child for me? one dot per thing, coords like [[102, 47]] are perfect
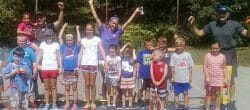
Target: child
[[113, 74], [25, 28], [215, 74], [19, 73], [70, 50], [143, 67], [51, 66], [127, 76], [158, 75], [88, 62], [181, 66]]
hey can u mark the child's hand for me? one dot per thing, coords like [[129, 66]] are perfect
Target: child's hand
[[21, 70], [77, 27], [190, 80], [172, 80], [248, 20], [60, 70], [207, 80], [191, 20], [90, 1]]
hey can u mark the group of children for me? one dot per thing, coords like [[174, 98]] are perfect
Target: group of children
[[155, 65]]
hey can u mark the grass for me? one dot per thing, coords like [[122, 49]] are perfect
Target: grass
[[243, 55]]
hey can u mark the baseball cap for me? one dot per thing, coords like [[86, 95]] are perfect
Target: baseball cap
[[222, 9], [48, 32]]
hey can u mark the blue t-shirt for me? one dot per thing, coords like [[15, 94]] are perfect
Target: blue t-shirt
[[144, 59], [69, 56], [127, 68], [18, 83], [29, 57]]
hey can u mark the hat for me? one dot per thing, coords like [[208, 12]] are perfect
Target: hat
[[40, 13], [48, 32], [221, 9]]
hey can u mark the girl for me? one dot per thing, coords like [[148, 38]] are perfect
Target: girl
[[181, 63], [113, 74], [70, 50], [215, 74], [158, 75], [88, 61], [25, 28], [127, 76], [51, 66]]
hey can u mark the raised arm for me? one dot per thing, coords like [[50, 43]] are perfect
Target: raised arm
[[98, 21], [59, 21], [59, 61], [125, 25], [78, 35], [246, 33], [123, 47], [61, 33], [194, 28], [205, 70]]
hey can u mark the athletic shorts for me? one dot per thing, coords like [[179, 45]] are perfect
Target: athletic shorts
[[146, 83], [88, 68], [49, 73], [181, 87], [67, 73]]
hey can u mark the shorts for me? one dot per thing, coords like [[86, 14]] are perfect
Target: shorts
[[67, 73], [162, 92], [127, 83], [88, 68], [1, 83], [49, 73], [231, 57], [109, 81], [146, 83], [181, 87], [211, 90]]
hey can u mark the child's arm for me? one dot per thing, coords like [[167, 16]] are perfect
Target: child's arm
[[39, 57], [79, 57], [205, 69], [173, 74], [152, 76], [59, 60], [119, 69], [59, 21], [78, 42], [190, 74], [103, 55], [98, 21], [164, 77], [123, 47], [10, 72], [137, 70], [61, 33]]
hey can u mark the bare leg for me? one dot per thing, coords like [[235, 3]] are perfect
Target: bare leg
[[53, 89], [87, 87], [186, 98], [217, 100], [93, 88], [75, 93], [46, 90]]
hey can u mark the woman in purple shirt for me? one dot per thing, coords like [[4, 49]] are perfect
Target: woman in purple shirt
[[110, 33]]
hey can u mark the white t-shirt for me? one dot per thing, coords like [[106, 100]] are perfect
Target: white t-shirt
[[113, 66], [49, 60], [90, 51], [181, 63]]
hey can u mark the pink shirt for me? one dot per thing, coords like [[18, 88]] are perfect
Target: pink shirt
[[215, 69], [25, 27]]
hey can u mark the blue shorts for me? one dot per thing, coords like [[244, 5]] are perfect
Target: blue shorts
[[181, 87]]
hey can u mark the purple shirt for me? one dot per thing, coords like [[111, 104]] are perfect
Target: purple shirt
[[108, 37]]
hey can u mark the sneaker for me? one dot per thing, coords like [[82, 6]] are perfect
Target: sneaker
[[46, 107], [74, 107], [54, 107]]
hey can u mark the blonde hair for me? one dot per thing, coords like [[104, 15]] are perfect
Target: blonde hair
[[160, 52], [162, 39], [69, 36], [180, 41]]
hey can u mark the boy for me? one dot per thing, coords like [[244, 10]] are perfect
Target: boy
[[143, 67], [181, 66], [19, 73]]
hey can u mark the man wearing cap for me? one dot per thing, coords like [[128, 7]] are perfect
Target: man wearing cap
[[223, 30], [41, 23]]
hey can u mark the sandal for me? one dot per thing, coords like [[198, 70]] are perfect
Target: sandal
[[87, 106]]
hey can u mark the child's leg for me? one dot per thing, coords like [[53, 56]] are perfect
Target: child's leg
[[114, 90], [32, 101], [186, 98], [217, 100], [75, 93], [47, 88], [124, 91], [67, 92], [87, 87], [108, 92], [176, 99], [53, 89], [130, 95], [93, 87], [208, 97]]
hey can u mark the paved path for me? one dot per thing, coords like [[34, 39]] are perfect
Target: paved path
[[196, 93]]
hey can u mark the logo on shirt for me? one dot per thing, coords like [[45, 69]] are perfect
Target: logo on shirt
[[146, 59]]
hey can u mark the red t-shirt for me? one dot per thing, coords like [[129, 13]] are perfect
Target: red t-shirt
[[158, 72]]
